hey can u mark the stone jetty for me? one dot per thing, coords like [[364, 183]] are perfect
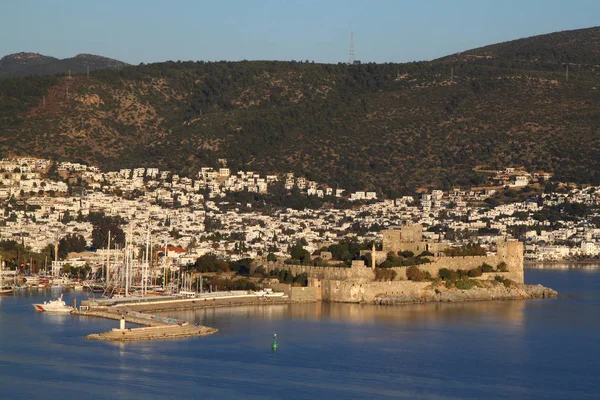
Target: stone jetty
[[155, 328], [153, 333]]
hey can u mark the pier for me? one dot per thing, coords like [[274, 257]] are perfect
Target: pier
[[154, 327], [140, 311]]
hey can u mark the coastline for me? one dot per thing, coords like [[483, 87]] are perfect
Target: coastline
[[159, 328], [498, 292]]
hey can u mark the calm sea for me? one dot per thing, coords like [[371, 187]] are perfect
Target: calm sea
[[538, 349]]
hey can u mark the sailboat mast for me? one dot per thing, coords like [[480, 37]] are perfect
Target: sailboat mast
[[145, 274], [127, 239], [165, 267], [108, 261]]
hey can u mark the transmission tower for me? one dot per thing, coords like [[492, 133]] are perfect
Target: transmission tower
[[351, 54]]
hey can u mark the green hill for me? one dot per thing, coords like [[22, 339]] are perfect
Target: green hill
[[386, 127]]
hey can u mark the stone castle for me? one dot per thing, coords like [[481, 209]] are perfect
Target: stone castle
[[357, 283]]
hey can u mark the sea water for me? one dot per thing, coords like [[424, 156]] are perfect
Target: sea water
[[536, 349]]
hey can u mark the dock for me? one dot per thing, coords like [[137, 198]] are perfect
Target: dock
[[154, 327], [141, 311], [153, 333]]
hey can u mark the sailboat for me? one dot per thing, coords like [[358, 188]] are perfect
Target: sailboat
[[4, 289]]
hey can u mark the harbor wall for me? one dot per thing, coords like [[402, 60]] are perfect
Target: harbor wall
[[322, 273], [366, 292], [297, 293]]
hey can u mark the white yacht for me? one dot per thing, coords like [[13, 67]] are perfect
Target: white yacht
[[54, 306]]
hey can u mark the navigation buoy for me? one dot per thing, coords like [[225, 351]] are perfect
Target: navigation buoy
[[274, 345]]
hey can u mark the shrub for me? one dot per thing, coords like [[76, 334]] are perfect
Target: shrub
[[506, 282], [384, 274], [414, 274], [475, 272], [502, 267], [448, 274], [425, 254], [406, 254], [462, 273], [465, 284], [487, 267]]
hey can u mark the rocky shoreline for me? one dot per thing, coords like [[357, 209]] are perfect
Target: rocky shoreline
[[493, 292]]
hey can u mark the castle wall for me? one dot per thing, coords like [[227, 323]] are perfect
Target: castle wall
[[297, 293], [508, 252], [356, 292], [357, 283], [321, 273], [515, 272]]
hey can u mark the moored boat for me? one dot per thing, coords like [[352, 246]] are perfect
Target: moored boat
[[53, 306], [6, 289]]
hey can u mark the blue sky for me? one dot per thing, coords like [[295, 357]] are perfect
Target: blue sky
[[384, 30]]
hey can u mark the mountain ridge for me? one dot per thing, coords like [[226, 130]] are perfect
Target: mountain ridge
[[35, 64], [386, 127]]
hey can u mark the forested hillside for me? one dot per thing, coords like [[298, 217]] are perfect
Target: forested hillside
[[386, 127]]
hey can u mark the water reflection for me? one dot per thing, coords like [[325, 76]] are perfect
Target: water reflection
[[509, 314], [564, 266]]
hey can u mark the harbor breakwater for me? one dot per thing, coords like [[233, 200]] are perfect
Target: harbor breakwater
[[154, 327]]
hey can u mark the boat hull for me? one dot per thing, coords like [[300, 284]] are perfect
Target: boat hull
[[57, 310]]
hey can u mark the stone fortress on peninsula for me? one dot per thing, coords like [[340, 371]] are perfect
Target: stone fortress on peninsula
[[410, 238], [504, 278]]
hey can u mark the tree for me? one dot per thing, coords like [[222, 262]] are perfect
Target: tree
[[414, 274], [212, 224], [300, 253], [211, 263], [66, 217], [72, 243], [104, 224]]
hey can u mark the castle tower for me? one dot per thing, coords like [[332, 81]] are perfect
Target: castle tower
[[412, 233], [512, 254], [392, 239]]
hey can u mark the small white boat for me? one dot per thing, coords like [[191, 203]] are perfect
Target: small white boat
[[54, 306], [6, 289]]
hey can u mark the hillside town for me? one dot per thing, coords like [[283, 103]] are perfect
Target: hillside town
[[45, 201]]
